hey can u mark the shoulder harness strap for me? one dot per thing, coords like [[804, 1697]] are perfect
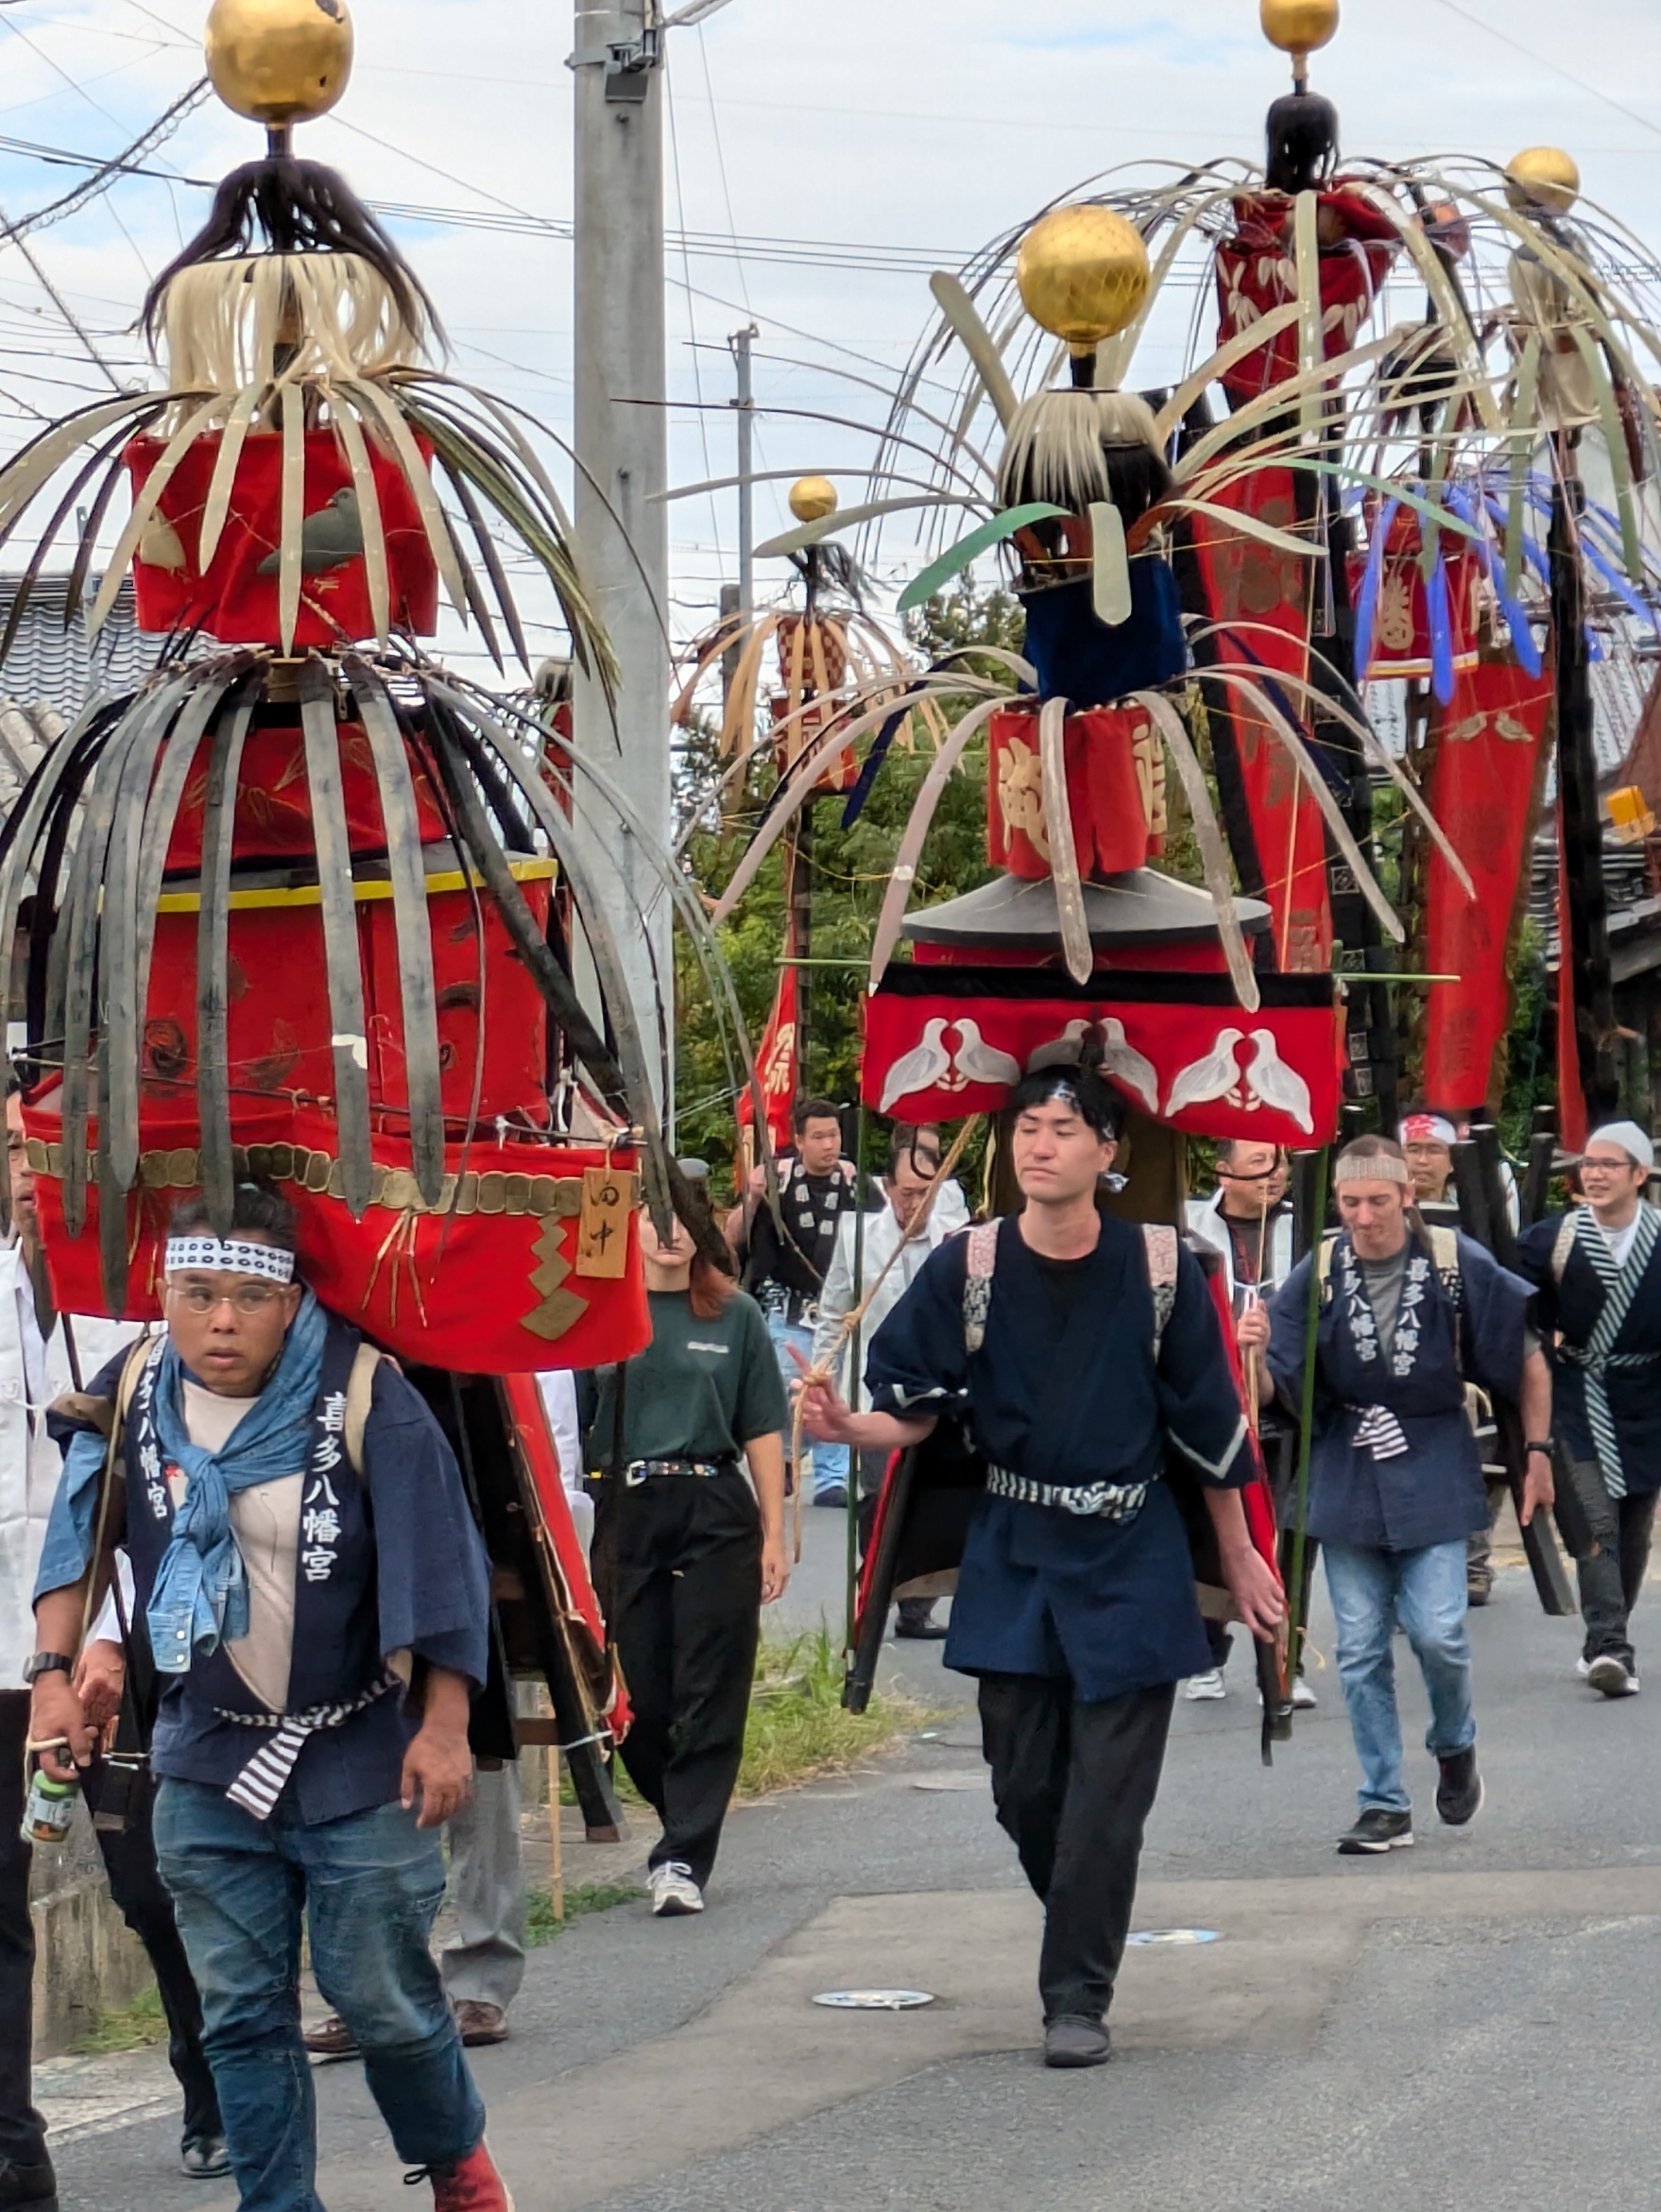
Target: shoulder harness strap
[[982, 1243], [1445, 1253], [360, 1391], [1159, 1241]]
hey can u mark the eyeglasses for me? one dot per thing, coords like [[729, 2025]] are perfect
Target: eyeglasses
[[248, 1298]]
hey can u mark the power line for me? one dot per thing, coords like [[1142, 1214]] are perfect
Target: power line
[[520, 222]]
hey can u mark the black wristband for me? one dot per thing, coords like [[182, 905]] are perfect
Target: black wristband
[[46, 1663], [1544, 1448]]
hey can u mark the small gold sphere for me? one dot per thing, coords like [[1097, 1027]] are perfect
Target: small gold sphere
[[1543, 176], [1083, 274], [278, 60], [1298, 27], [811, 498]]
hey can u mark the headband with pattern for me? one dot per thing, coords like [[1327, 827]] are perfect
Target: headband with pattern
[[230, 1258], [1372, 1167]]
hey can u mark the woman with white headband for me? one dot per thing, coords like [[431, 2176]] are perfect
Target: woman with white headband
[[1407, 1318], [315, 1598]]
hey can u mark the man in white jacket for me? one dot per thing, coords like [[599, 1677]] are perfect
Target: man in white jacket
[[913, 1160], [34, 1369]]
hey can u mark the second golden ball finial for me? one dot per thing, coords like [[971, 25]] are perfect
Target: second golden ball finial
[[279, 62], [1543, 176], [1083, 274], [811, 498]]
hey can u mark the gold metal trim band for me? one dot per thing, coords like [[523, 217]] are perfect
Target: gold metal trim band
[[495, 1192]]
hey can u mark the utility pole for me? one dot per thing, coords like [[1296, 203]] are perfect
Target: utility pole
[[741, 342], [622, 443]]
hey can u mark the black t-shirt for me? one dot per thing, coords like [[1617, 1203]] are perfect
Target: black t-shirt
[[1064, 1282]]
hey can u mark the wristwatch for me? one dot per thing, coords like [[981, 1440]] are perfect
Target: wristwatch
[[1544, 1448], [46, 1663]]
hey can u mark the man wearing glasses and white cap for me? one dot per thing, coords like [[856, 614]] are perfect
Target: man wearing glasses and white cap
[[317, 1602], [1599, 1275]]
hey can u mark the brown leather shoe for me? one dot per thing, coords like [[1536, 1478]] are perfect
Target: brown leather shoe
[[329, 2039], [480, 2022]]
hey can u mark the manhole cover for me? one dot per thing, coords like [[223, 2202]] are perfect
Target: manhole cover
[[1170, 1938], [874, 2000], [970, 1778]]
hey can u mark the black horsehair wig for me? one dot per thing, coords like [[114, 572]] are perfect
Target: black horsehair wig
[[1302, 143], [282, 205]]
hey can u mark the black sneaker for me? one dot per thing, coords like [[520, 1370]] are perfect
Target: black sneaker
[[1459, 1794], [1070, 2040], [29, 2184], [1479, 1588], [1378, 1830]]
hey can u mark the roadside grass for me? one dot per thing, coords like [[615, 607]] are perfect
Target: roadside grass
[[132, 2026], [581, 1899], [797, 1729]]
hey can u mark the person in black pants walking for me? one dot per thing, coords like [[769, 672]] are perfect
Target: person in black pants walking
[[115, 1792], [687, 1553]]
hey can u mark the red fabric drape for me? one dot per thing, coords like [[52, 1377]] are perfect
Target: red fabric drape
[[1266, 593], [1483, 793]]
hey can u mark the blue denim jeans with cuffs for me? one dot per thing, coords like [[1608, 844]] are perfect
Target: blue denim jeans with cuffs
[[829, 1462], [368, 1887], [1423, 1591]]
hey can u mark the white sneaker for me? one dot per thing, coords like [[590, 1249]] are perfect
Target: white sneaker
[[1582, 1666], [1612, 1677], [1206, 1689], [672, 1890], [1303, 1697]]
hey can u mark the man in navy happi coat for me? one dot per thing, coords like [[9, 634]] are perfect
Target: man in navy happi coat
[[316, 1597], [1396, 1479], [1598, 1273], [1075, 1371]]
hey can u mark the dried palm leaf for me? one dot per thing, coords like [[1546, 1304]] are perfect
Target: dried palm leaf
[[1209, 837]]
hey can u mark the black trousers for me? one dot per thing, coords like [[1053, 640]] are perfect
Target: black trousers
[[142, 1900], [681, 1556], [23, 2134], [1073, 1783], [1610, 1539]]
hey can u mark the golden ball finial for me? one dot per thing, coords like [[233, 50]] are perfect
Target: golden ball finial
[[1543, 176], [1298, 27], [1083, 274], [279, 62], [811, 498]]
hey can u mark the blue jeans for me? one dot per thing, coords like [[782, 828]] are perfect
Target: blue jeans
[[829, 1461], [369, 1886], [1424, 1591]]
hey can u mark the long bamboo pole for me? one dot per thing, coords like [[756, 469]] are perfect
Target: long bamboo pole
[[1295, 1625]]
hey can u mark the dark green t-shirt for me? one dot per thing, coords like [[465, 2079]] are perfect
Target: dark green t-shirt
[[700, 1390]]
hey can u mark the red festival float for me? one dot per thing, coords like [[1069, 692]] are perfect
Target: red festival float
[[289, 911]]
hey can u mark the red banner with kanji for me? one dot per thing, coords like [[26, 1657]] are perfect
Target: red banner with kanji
[[778, 1064], [1484, 792], [1266, 592]]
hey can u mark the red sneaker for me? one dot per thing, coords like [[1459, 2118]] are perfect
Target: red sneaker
[[471, 2185]]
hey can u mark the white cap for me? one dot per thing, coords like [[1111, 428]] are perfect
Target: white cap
[[1629, 1139]]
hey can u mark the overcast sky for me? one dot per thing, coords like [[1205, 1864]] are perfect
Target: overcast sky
[[921, 125]]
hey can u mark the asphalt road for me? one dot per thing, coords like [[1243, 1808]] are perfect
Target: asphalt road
[[1472, 2023]]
